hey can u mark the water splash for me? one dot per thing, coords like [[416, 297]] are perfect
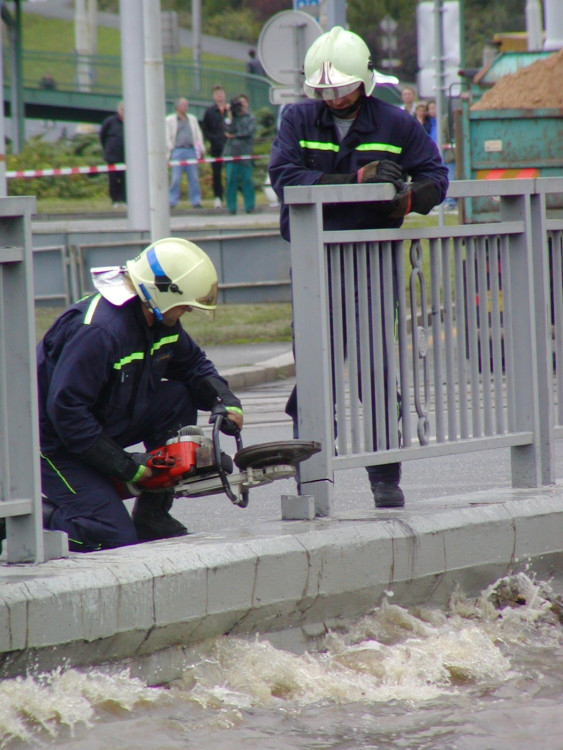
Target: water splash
[[46, 704], [392, 655]]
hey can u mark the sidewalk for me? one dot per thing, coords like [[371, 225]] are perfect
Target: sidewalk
[[252, 364]]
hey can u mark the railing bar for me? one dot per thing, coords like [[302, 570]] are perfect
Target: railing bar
[[508, 335], [351, 337], [449, 339], [435, 312], [389, 312], [366, 354], [496, 333], [484, 333], [461, 327], [557, 265], [338, 354], [377, 344], [472, 336], [398, 250]]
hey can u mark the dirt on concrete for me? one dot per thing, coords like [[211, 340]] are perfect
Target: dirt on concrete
[[538, 86]]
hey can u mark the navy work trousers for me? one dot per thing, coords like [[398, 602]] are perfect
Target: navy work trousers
[[87, 504]]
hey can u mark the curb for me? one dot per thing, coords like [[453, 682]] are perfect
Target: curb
[[249, 376], [146, 602]]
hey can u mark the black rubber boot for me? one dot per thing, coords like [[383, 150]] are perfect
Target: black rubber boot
[[152, 519], [384, 481]]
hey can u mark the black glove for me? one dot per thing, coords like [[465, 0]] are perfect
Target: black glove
[[382, 171], [401, 204], [227, 425]]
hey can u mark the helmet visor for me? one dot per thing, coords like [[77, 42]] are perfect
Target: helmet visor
[[337, 92], [209, 301]]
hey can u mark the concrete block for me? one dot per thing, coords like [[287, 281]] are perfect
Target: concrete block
[[297, 507], [13, 618], [281, 572], [54, 614], [55, 544], [231, 573], [180, 596]]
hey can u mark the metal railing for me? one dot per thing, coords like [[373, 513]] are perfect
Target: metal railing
[[252, 265], [101, 75], [20, 482], [474, 368]]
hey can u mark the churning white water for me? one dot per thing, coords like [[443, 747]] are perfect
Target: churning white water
[[485, 673]]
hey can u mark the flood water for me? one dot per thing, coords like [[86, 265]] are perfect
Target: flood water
[[483, 673]]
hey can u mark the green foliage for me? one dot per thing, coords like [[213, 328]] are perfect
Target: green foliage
[[38, 154], [240, 25]]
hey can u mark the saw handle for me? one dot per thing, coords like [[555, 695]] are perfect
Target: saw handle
[[242, 502]]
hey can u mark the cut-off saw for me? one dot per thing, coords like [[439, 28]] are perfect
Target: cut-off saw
[[193, 465]]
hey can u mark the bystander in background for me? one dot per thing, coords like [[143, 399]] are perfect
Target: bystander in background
[[214, 126], [113, 143], [421, 114], [407, 96], [431, 118], [254, 66], [184, 142], [240, 142]]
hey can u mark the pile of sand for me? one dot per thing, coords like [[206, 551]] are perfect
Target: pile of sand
[[538, 86]]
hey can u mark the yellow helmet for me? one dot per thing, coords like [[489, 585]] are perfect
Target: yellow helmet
[[336, 64], [172, 272]]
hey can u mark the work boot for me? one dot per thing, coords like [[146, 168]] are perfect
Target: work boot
[[384, 481], [152, 519]]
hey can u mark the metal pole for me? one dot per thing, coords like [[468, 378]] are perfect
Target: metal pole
[[20, 121], [134, 119], [196, 41], [92, 38], [533, 25], [336, 14], [3, 189], [155, 115], [81, 45], [440, 77]]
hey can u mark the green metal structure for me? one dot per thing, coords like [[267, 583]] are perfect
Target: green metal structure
[[64, 98]]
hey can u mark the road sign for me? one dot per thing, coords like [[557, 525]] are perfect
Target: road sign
[[388, 43], [283, 43], [285, 95], [388, 24], [390, 62]]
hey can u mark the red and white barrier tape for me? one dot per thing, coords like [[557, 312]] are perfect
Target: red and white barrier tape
[[65, 171]]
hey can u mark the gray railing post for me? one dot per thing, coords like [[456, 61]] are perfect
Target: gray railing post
[[544, 351], [20, 481], [525, 459], [312, 344]]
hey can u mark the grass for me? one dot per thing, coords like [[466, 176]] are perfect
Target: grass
[[41, 34], [234, 324], [244, 324]]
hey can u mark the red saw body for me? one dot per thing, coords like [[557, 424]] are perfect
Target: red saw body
[[193, 465]]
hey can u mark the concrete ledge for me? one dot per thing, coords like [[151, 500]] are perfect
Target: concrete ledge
[[249, 376], [287, 577]]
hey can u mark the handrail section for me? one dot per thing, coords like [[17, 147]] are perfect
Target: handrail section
[[476, 371]]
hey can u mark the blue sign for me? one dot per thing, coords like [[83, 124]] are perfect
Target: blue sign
[[304, 4]]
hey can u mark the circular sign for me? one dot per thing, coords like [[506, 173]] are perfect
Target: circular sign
[[283, 44]]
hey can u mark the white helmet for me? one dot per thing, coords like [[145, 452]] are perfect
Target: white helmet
[[336, 64], [173, 272]]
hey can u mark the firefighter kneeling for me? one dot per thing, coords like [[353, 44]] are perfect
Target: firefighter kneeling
[[117, 369]]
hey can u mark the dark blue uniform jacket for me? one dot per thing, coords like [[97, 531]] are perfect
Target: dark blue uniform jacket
[[99, 366], [307, 147]]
